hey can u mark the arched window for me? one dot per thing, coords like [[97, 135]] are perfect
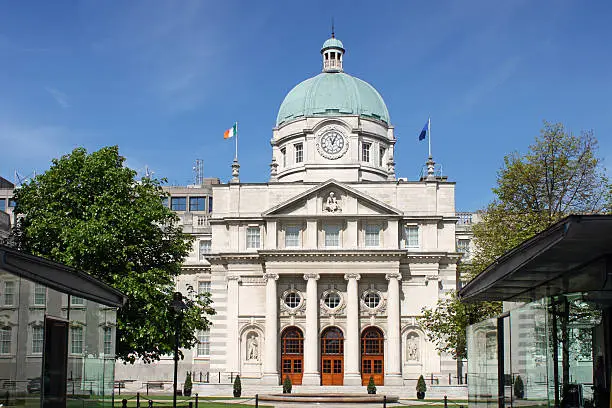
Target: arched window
[[332, 341], [372, 341]]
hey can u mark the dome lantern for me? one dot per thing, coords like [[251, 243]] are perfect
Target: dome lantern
[[332, 52]]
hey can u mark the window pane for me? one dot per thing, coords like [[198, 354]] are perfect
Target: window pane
[[2, 204], [292, 236], [412, 236], [12, 202], [9, 293], [165, 201], [299, 152], [381, 156], [332, 300], [75, 300], [108, 340], [5, 340], [203, 287], [292, 300], [197, 203], [463, 246], [76, 340], [253, 240], [365, 152], [178, 204], [332, 235], [40, 294], [210, 202], [37, 339], [205, 248], [372, 235], [203, 343]]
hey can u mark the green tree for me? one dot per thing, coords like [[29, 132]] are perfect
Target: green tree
[[559, 175], [90, 212]]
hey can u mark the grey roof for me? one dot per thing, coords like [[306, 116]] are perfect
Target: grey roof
[[59, 277], [573, 255]]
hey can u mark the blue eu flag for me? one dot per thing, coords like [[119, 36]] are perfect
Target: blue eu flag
[[424, 131]]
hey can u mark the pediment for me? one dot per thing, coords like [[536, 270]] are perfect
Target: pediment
[[332, 198]]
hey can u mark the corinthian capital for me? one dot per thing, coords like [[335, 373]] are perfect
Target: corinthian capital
[[270, 275], [352, 275], [393, 275], [314, 276], [233, 277]]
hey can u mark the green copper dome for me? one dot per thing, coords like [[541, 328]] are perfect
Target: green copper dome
[[332, 94], [332, 43]]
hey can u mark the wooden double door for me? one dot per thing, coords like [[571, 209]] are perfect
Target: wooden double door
[[372, 356], [332, 357], [292, 355]]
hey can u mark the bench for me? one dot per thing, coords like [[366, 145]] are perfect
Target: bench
[[154, 385]]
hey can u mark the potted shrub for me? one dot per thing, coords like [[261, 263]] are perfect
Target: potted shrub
[[371, 386], [287, 385], [237, 387], [421, 387], [519, 387], [188, 385]]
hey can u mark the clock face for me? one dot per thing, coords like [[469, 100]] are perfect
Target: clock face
[[332, 142]]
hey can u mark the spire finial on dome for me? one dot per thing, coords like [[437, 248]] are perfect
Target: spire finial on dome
[[333, 34]]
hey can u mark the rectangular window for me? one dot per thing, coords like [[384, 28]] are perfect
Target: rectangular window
[[12, 203], [2, 204], [76, 340], [203, 343], [203, 287], [165, 201], [372, 235], [412, 236], [463, 246], [197, 203], [5, 340], [283, 157], [178, 203], [200, 221], [108, 340], [253, 239], [332, 235], [381, 156], [210, 204], [77, 301], [292, 236], [9, 293], [299, 152], [365, 152], [40, 294], [205, 248], [37, 339]]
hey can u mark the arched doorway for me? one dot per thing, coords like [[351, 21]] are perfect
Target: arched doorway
[[372, 356], [292, 354], [332, 356]]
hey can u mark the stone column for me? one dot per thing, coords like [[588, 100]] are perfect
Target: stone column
[[233, 340], [352, 354], [393, 373], [271, 339], [311, 337]]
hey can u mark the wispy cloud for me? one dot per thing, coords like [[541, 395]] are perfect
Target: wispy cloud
[[60, 97]]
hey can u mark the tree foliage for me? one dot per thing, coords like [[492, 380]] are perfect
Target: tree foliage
[[561, 174], [89, 211]]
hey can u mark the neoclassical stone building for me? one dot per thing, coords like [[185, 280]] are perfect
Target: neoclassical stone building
[[320, 273]]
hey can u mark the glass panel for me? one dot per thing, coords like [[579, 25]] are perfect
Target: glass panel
[[337, 366], [327, 366], [178, 203], [412, 236], [292, 236], [367, 366], [253, 239], [297, 366], [482, 363], [332, 235], [197, 203], [286, 366], [332, 300], [378, 366]]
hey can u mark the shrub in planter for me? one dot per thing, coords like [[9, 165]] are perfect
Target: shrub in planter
[[237, 387], [188, 385], [421, 388], [371, 386], [519, 387], [287, 385]]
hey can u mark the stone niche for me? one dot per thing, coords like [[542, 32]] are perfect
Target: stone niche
[[251, 351]]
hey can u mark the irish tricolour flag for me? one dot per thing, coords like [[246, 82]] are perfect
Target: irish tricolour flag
[[231, 132]]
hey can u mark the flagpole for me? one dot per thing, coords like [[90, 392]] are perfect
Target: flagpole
[[429, 134], [236, 157]]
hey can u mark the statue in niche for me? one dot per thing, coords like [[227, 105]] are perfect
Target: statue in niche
[[412, 348], [252, 347], [331, 204]]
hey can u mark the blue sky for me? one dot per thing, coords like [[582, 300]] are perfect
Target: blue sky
[[164, 79]]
